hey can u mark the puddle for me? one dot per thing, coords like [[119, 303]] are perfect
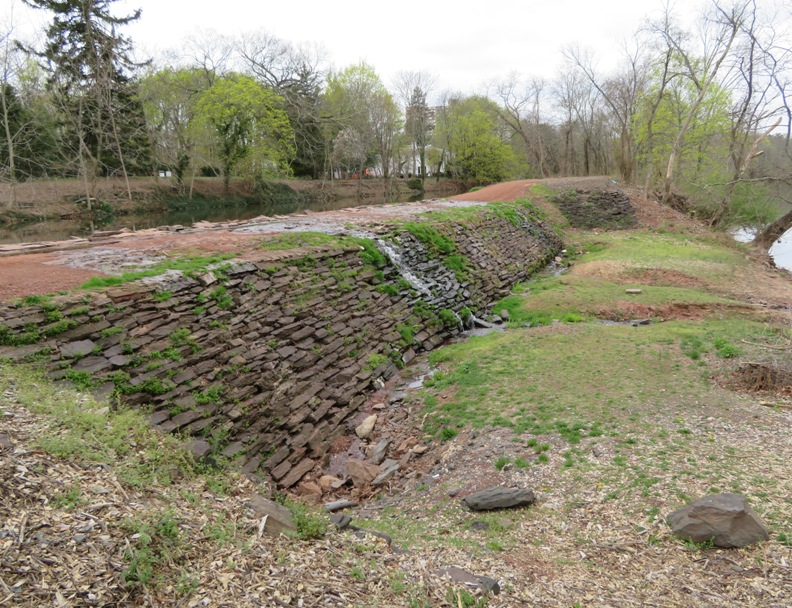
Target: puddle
[[419, 382], [413, 376]]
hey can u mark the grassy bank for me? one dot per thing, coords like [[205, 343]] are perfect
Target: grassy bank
[[616, 408], [614, 426]]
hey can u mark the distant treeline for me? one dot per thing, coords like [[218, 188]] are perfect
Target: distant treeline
[[704, 113]]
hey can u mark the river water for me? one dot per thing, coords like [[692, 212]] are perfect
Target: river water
[[781, 251], [59, 230]]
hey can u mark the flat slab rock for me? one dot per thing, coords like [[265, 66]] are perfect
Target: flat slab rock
[[279, 518], [77, 349], [458, 575], [724, 519], [499, 498]]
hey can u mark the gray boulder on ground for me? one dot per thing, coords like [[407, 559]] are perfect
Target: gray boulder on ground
[[379, 451], [199, 449], [725, 519], [499, 498], [387, 470]]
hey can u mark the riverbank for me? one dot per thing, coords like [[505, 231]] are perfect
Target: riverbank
[[632, 383], [37, 201]]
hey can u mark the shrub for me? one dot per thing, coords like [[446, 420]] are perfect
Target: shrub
[[415, 184]]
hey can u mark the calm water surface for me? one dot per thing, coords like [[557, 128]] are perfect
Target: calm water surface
[[781, 251], [59, 230]]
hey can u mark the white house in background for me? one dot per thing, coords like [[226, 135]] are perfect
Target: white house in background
[[409, 164]]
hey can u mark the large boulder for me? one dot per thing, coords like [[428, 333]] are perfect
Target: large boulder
[[724, 519]]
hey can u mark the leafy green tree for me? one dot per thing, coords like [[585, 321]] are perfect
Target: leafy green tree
[[520, 111], [169, 97], [364, 118], [702, 70], [477, 153], [250, 131], [702, 150], [387, 127], [297, 73]]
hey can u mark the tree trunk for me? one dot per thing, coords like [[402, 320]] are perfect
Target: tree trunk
[[10, 143], [655, 105], [192, 183], [626, 160], [767, 237], [83, 155], [118, 147], [739, 172], [439, 165]]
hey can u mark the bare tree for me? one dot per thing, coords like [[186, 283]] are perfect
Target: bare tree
[[9, 105], [652, 99], [584, 121], [718, 36], [565, 92], [520, 110], [621, 94], [755, 79], [210, 52], [297, 72], [88, 62]]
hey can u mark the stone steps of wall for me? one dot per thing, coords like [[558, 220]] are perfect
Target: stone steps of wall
[[278, 365]]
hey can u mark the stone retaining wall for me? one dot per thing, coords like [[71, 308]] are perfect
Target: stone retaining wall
[[271, 359]]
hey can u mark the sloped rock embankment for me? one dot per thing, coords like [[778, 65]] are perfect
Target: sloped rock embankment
[[269, 360]]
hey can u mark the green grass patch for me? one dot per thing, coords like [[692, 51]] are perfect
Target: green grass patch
[[531, 383], [375, 360], [84, 430], [434, 241], [298, 240], [573, 299], [698, 256]]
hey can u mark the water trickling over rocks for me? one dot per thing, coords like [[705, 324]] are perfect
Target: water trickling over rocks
[[272, 358]]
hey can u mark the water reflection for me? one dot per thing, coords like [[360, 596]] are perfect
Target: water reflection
[[59, 230]]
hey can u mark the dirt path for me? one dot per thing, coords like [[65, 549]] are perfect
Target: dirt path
[[58, 266]]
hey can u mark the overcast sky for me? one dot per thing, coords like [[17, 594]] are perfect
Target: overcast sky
[[465, 44]]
